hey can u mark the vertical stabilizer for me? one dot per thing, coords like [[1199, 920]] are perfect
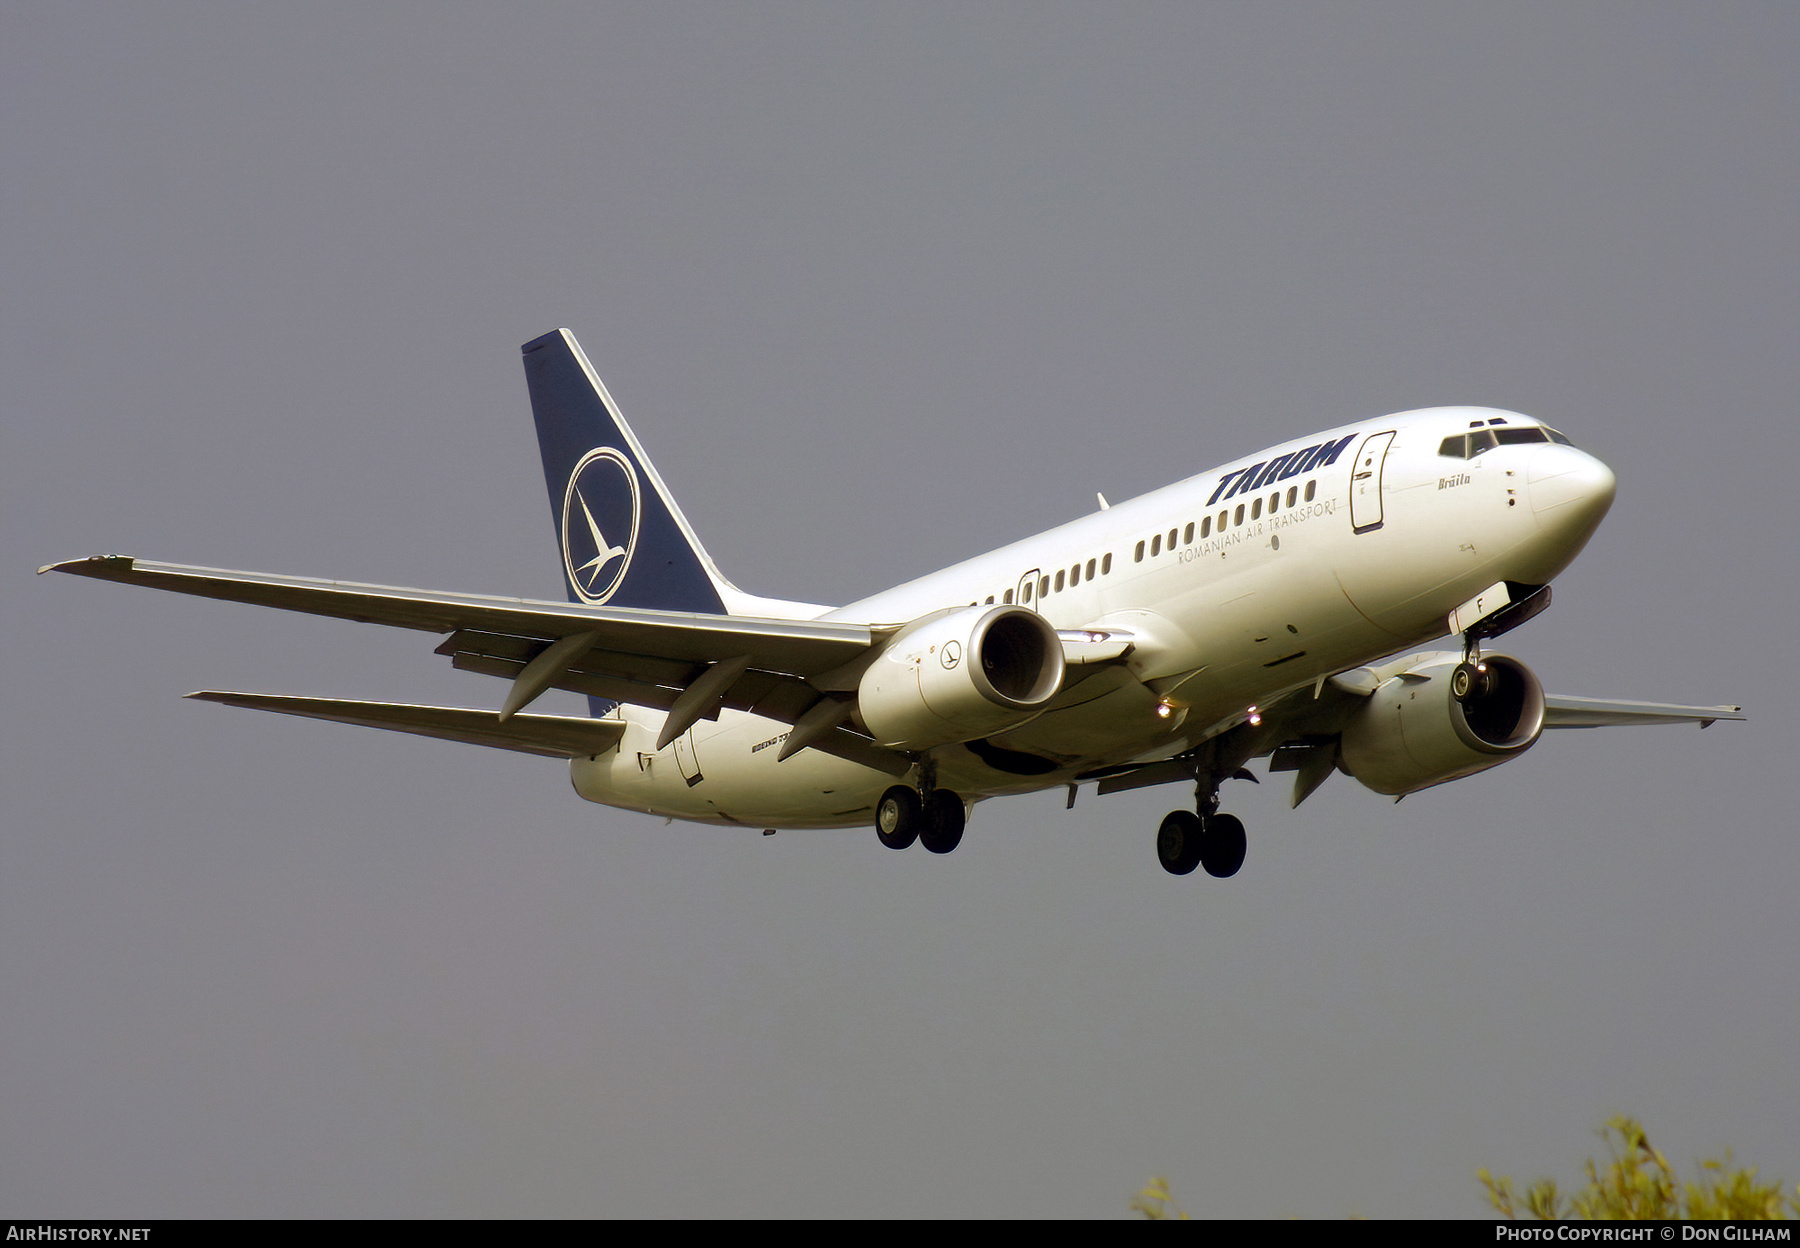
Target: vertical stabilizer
[[624, 541]]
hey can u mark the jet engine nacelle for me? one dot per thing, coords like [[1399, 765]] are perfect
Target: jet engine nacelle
[[959, 675], [1413, 732]]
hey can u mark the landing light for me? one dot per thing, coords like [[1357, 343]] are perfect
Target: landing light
[[1255, 717]]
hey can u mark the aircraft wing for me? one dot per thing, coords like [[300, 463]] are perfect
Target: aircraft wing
[[685, 663], [556, 736], [796, 647], [1300, 731], [1566, 712]]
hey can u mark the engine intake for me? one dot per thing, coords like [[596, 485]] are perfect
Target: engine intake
[[961, 674], [1413, 733]]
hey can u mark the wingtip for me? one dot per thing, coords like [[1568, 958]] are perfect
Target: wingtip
[[93, 565]]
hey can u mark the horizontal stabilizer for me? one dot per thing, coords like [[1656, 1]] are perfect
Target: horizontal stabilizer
[[555, 736], [1563, 712]]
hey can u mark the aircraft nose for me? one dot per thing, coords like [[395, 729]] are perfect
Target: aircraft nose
[[1569, 488]]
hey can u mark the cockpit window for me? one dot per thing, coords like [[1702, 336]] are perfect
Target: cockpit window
[[1469, 445]]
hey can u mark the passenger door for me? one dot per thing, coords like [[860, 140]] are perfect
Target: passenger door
[[1365, 482]]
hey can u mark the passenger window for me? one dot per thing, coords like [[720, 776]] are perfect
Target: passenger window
[[1222, 518], [1256, 509], [1140, 552], [1090, 570], [1293, 493], [1274, 502], [1106, 563], [1311, 488], [1156, 546], [1074, 576], [1237, 517], [1059, 580], [1043, 587], [1025, 594], [990, 600], [1205, 527], [1171, 539], [1007, 597], [1187, 534]]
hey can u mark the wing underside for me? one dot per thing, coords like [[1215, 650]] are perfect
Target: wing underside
[[801, 647], [1565, 712], [1301, 732]]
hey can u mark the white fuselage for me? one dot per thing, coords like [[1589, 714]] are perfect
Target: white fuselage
[[1238, 585]]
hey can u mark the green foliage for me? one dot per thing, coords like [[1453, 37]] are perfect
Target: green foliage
[[1155, 1203], [1639, 1182]]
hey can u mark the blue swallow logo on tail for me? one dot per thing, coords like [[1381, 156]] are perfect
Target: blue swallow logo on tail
[[602, 497]]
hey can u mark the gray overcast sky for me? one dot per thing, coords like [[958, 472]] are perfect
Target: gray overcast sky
[[880, 286]]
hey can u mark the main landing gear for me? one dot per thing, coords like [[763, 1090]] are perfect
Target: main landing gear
[[1203, 838], [935, 821]]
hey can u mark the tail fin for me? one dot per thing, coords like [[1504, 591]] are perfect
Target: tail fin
[[623, 539]]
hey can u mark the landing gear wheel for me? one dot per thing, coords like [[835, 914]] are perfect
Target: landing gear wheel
[[898, 817], [1178, 842], [944, 819], [1470, 680], [1222, 848]]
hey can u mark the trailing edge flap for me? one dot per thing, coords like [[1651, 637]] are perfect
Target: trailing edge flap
[[555, 736], [1565, 712], [793, 647]]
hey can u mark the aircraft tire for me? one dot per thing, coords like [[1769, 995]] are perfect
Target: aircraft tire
[[898, 817], [944, 819], [1178, 842], [1222, 847], [1469, 681]]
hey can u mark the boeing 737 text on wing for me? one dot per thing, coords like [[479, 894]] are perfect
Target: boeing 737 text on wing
[[1275, 606]]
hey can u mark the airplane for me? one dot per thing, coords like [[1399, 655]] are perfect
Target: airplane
[[1277, 606]]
